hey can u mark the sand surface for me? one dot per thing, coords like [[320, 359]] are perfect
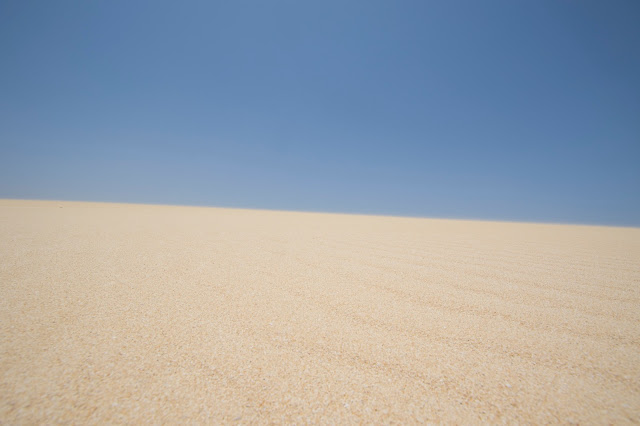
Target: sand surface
[[132, 313]]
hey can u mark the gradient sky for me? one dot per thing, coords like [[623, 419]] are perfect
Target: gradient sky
[[504, 110]]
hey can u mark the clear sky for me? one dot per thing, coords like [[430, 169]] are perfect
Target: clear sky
[[504, 110]]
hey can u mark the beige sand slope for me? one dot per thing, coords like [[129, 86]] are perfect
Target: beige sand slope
[[133, 313]]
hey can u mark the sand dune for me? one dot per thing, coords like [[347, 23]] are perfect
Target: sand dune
[[133, 313]]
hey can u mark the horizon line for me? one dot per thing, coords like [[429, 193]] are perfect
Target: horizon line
[[349, 213]]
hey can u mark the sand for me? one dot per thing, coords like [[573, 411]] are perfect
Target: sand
[[159, 314]]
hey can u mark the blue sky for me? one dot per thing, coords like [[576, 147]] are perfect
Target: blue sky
[[503, 110]]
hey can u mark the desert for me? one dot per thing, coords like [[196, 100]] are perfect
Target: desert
[[125, 313]]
